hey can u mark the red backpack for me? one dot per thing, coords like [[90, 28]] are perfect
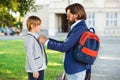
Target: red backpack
[[87, 49]]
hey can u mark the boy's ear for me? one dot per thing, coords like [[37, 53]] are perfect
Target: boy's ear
[[31, 25]]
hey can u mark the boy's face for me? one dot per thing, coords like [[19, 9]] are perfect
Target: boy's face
[[37, 28]]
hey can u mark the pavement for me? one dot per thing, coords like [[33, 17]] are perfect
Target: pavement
[[107, 64], [2, 37]]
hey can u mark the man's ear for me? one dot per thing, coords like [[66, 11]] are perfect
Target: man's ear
[[76, 16]]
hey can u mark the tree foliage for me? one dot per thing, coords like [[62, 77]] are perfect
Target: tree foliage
[[21, 6], [26, 5]]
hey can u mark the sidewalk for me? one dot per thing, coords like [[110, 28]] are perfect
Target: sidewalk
[[107, 65], [11, 37]]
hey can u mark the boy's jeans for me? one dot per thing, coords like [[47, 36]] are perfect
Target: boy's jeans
[[41, 76], [76, 76]]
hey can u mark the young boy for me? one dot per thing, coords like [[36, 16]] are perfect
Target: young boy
[[36, 60]]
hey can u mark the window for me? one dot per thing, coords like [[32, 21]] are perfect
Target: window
[[90, 19], [111, 19]]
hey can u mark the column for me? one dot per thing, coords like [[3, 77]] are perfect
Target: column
[[52, 28], [24, 30], [100, 23]]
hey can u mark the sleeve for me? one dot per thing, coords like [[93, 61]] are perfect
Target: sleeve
[[46, 42], [29, 44], [67, 44]]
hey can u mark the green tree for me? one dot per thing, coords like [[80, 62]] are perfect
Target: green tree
[[21, 6]]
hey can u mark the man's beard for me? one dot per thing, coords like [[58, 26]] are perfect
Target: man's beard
[[71, 22]]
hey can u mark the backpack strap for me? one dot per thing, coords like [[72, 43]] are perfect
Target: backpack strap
[[91, 28]]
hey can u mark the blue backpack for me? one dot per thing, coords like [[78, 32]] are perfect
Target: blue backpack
[[87, 49]]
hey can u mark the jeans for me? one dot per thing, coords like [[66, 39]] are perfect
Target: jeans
[[76, 76], [41, 76]]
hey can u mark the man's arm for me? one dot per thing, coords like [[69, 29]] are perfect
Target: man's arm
[[61, 46]]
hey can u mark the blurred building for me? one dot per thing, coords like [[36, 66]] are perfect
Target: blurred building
[[103, 15]]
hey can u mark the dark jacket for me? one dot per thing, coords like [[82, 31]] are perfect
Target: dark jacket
[[71, 66]]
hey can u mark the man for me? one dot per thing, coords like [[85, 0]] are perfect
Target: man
[[76, 15]]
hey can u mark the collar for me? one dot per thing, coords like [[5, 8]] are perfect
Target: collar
[[33, 34], [73, 25]]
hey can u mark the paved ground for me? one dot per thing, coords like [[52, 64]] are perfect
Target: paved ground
[[107, 65], [11, 37]]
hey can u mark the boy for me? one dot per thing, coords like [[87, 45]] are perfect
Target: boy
[[36, 60]]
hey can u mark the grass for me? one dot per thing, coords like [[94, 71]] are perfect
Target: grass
[[12, 61]]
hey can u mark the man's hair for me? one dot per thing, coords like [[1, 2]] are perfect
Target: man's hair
[[77, 8], [33, 20]]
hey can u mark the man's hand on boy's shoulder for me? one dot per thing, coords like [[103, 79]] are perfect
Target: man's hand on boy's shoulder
[[42, 39]]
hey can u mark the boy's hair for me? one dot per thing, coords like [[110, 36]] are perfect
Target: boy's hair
[[77, 8], [33, 20]]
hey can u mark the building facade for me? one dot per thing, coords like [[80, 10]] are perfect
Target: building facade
[[103, 15]]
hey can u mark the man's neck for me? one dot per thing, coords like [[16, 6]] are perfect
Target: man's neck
[[76, 20], [75, 23]]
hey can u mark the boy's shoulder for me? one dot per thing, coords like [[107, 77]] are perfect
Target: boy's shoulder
[[29, 38]]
